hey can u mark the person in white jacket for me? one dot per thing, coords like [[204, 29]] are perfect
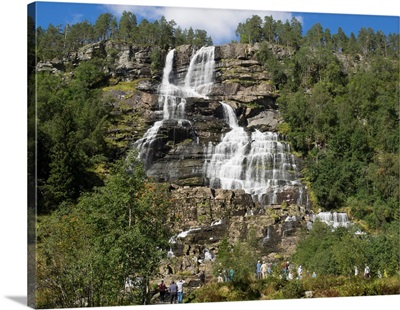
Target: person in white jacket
[[264, 270], [180, 290], [300, 272]]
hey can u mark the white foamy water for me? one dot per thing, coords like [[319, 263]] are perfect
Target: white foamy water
[[172, 97], [257, 162]]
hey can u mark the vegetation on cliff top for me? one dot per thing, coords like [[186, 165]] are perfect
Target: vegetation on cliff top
[[56, 42]]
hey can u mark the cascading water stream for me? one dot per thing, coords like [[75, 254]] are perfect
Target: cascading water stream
[[257, 162], [172, 97], [334, 219]]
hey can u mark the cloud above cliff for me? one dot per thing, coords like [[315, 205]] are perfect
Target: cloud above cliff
[[220, 24]]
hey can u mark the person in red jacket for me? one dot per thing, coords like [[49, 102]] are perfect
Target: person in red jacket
[[162, 288]]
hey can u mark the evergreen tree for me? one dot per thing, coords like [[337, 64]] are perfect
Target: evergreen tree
[[127, 26], [315, 36], [180, 37], [190, 36], [250, 31], [200, 38], [269, 31], [296, 33], [340, 41], [166, 33], [50, 42], [102, 26], [147, 33]]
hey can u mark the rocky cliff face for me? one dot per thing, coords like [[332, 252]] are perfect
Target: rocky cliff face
[[203, 215], [206, 216], [241, 82]]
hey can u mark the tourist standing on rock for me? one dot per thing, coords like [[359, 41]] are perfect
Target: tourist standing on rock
[[226, 275], [173, 290], [300, 272], [162, 288], [366, 271], [231, 274], [258, 267], [128, 285], [290, 275], [180, 290], [264, 270], [284, 269]]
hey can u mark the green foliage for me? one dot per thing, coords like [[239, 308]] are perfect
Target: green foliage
[[102, 26], [77, 35], [342, 118], [276, 288], [293, 289], [89, 74], [71, 118], [127, 26], [215, 292], [49, 43], [250, 31], [360, 287], [55, 42], [336, 252], [86, 251], [241, 257], [254, 30], [157, 60]]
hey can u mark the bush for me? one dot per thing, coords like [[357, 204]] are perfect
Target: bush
[[382, 287], [294, 289], [354, 287], [212, 292], [330, 292]]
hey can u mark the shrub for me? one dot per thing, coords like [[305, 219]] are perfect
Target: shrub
[[294, 289], [330, 292], [209, 293]]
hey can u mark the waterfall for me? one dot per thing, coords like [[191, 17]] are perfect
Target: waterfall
[[200, 75], [172, 97], [335, 219], [260, 163]]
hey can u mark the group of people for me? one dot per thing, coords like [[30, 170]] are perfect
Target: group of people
[[226, 275], [175, 290], [287, 271], [264, 269], [367, 272]]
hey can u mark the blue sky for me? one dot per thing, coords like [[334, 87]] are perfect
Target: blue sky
[[219, 23]]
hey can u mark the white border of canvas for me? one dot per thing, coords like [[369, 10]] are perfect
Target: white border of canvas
[[13, 279]]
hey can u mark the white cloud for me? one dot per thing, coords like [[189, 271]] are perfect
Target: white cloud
[[76, 18], [148, 12], [220, 24]]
